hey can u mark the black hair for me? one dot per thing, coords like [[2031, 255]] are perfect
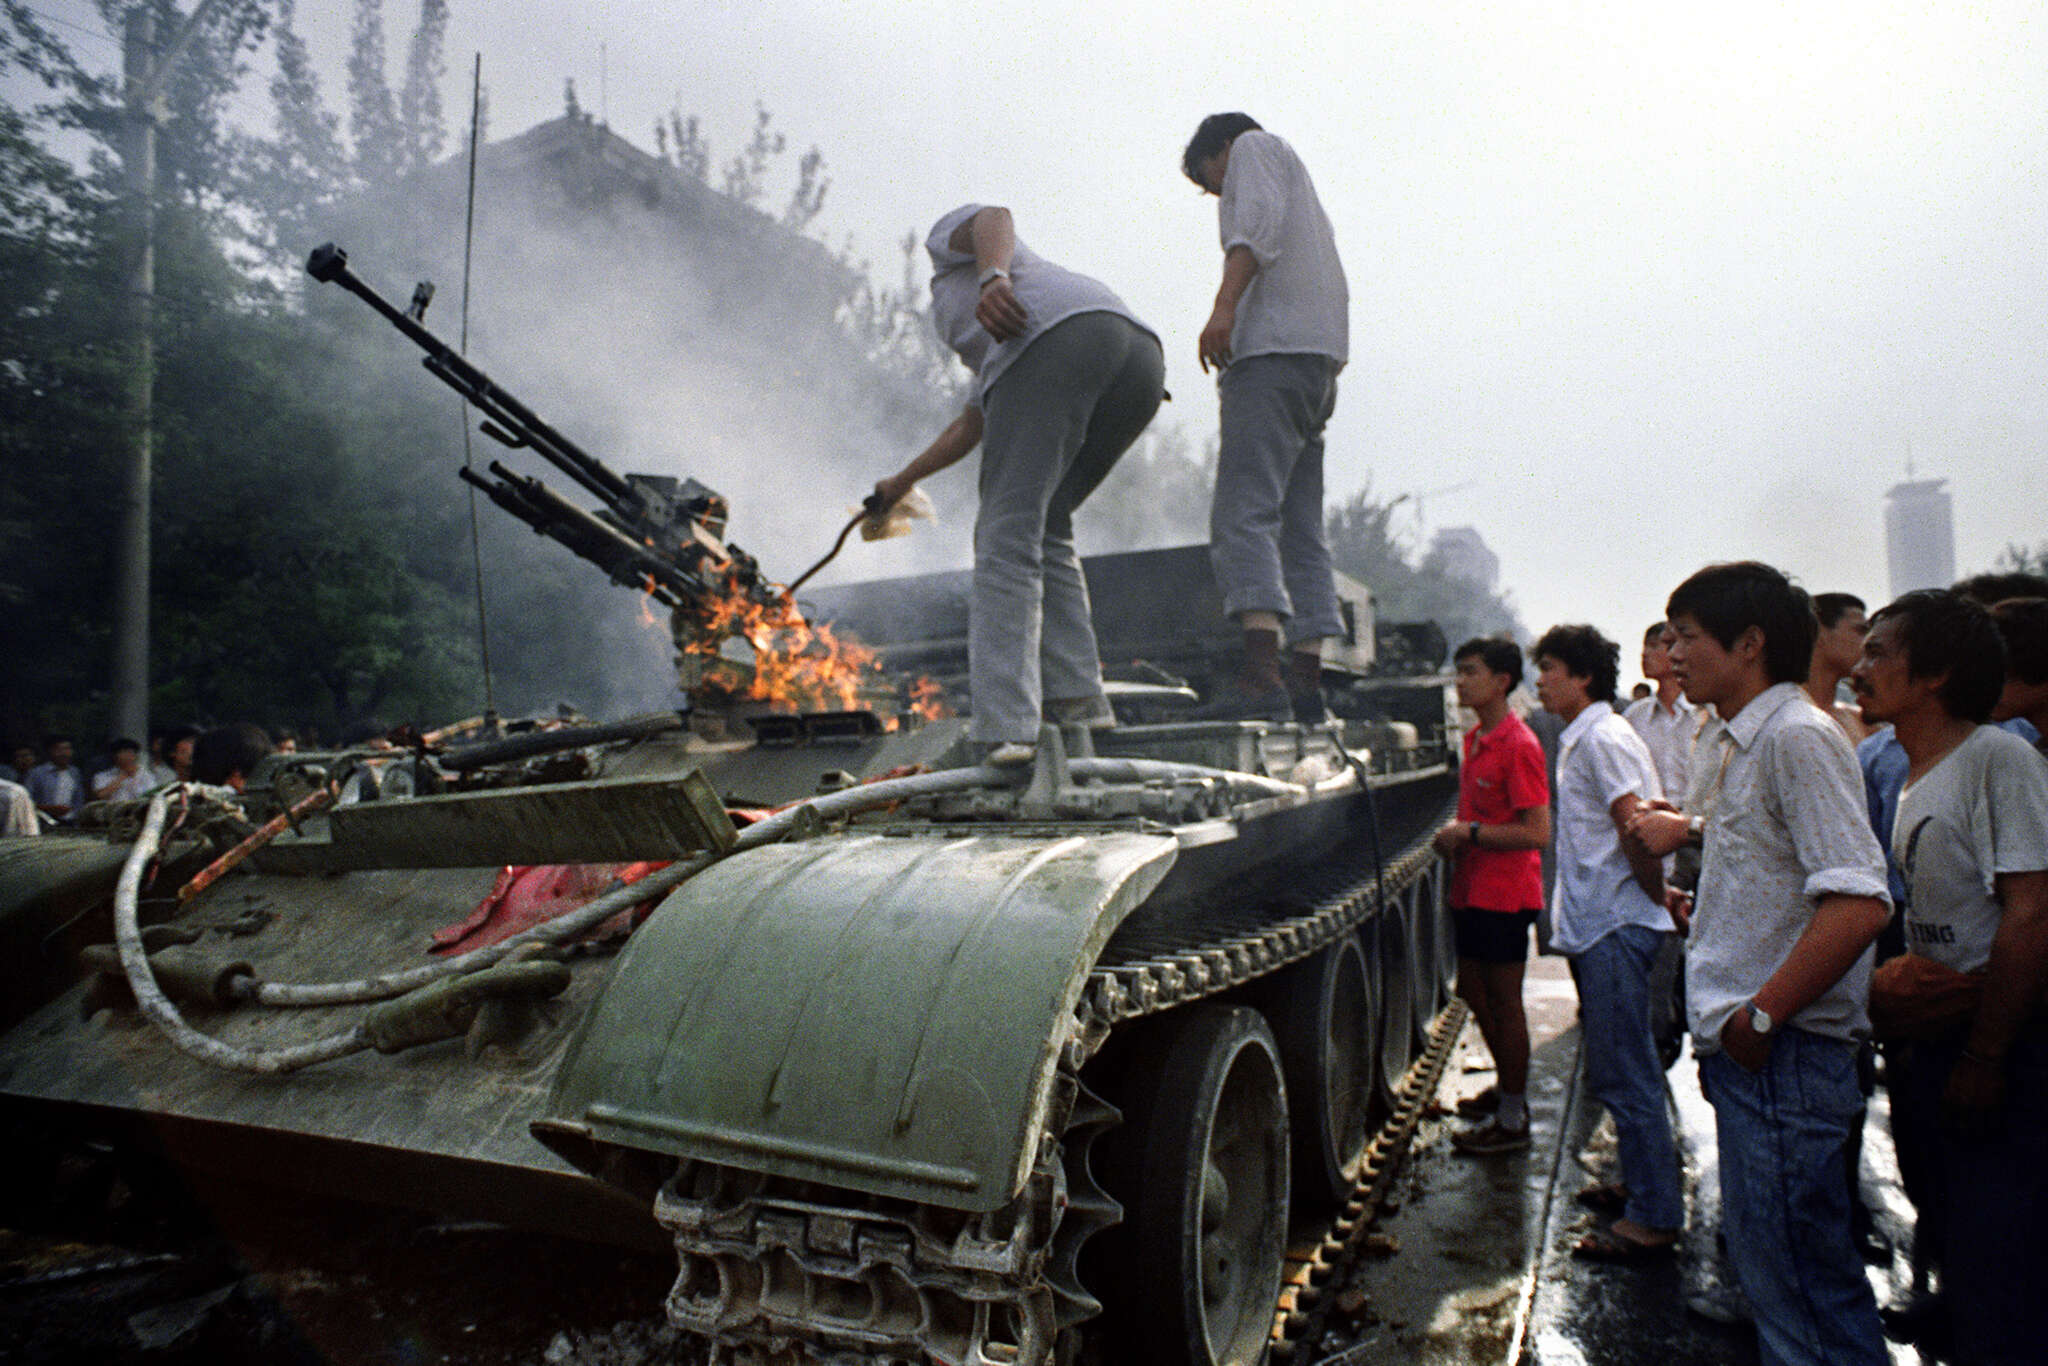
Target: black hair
[[1830, 608], [1497, 653], [121, 742], [228, 750], [1992, 589], [1949, 632], [2023, 623], [1655, 632], [1212, 135], [1728, 599], [1587, 654], [52, 740]]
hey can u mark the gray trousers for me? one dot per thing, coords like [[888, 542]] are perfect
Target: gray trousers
[[1054, 424], [1266, 537]]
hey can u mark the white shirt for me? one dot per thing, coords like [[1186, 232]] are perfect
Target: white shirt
[[1600, 760], [137, 784], [1669, 735], [1981, 811], [1298, 302], [1050, 295], [1787, 826], [17, 811]]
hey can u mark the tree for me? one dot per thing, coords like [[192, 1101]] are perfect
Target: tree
[[745, 172], [421, 132], [373, 119]]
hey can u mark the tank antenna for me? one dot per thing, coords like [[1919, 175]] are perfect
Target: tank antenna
[[476, 555]]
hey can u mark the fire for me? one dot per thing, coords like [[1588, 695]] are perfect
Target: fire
[[928, 699], [795, 663], [647, 617]]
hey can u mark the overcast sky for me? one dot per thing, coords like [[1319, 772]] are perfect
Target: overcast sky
[[1635, 286]]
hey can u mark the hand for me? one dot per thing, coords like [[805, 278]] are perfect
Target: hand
[[1657, 830], [1745, 1047], [1679, 903], [999, 312], [1973, 1098], [888, 493], [1214, 346], [1452, 838]]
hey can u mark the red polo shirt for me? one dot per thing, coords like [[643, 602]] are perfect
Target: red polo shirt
[[1502, 775]]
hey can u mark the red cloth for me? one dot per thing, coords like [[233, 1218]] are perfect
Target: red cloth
[[1502, 775], [530, 895]]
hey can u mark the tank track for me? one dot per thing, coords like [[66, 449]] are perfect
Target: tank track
[[775, 1271]]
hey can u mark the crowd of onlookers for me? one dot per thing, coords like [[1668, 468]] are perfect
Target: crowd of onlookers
[[45, 786], [1825, 832]]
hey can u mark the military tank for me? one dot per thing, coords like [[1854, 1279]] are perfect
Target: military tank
[[909, 1059]]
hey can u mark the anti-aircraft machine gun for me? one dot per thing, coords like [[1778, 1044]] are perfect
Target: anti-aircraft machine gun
[[654, 533]]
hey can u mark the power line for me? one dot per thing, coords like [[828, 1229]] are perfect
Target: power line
[[100, 34]]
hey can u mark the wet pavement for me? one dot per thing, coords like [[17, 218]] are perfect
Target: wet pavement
[[1476, 1263]]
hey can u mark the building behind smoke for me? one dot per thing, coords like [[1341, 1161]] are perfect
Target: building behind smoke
[[1919, 535], [1461, 553]]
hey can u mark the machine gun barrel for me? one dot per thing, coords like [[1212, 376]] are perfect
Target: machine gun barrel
[[553, 516], [510, 421]]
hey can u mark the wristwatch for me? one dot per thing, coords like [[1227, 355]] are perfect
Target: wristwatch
[[1760, 1020], [1696, 829], [992, 274]]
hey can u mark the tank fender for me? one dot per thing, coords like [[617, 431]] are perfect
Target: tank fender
[[877, 1012]]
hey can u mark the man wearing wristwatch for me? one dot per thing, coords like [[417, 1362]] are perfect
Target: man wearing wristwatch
[[1065, 379], [1277, 336], [1497, 882], [1791, 896], [1971, 841]]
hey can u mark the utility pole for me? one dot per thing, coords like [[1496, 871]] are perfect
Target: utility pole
[[144, 71]]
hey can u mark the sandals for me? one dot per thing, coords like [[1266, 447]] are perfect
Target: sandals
[[1605, 1245], [1610, 1197]]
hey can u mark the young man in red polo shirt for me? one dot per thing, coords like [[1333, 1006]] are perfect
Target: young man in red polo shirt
[[1497, 887]]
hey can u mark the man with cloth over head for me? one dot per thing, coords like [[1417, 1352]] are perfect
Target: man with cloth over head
[[1279, 333], [1065, 379]]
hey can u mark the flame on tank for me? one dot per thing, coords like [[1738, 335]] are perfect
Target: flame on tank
[[739, 648]]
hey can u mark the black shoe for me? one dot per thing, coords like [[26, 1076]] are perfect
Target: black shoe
[[1236, 704]]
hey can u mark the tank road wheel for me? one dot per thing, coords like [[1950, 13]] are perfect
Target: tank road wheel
[[1323, 1013], [1386, 941], [1418, 907], [1202, 1174]]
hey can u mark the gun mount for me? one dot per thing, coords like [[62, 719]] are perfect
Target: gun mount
[[653, 533]]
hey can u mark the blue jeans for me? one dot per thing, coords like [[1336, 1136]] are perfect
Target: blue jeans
[[1991, 1192], [1783, 1135], [1623, 1071]]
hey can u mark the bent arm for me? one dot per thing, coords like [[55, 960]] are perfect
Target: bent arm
[[1239, 268], [1647, 867], [1841, 929], [2018, 971]]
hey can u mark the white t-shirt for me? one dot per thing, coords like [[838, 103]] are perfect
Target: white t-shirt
[[1050, 294], [1669, 735], [135, 785], [1600, 760], [1981, 811], [1299, 302]]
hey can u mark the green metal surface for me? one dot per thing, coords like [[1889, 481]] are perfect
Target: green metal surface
[[605, 820], [881, 1013]]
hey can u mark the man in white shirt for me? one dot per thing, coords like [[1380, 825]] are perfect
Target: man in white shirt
[[1971, 840], [1835, 649], [127, 779], [1791, 896], [1665, 719], [1608, 916], [1278, 334]]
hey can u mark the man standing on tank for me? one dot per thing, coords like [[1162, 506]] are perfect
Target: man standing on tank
[[1497, 886], [1278, 335]]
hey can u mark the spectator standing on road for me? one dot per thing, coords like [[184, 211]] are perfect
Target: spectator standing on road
[[1971, 838], [17, 811], [1791, 896], [1665, 719], [24, 759], [56, 785], [1835, 650], [127, 779], [1609, 917], [1497, 885], [1279, 333], [2023, 623]]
